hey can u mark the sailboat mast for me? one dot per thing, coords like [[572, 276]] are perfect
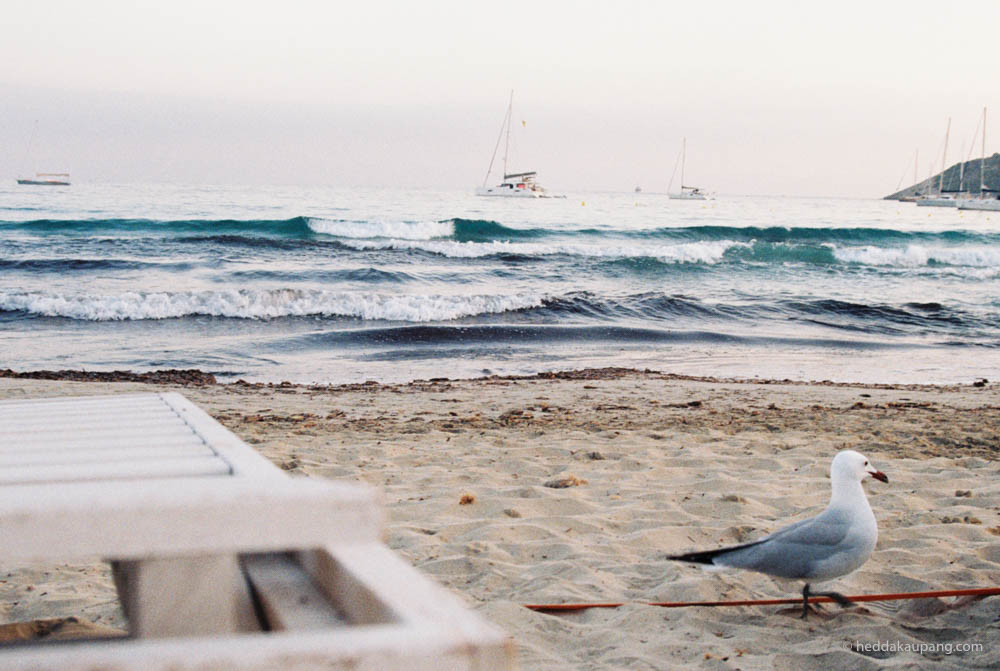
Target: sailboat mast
[[961, 167], [982, 161], [504, 125], [944, 157], [506, 148], [683, 159]]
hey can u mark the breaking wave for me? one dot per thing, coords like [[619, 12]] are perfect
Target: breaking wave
[[261, 304]]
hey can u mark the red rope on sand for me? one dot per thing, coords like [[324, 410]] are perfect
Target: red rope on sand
[[564, 607]]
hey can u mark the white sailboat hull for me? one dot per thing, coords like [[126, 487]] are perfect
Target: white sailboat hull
[[991, 204], [507, 192], [687, 196], [937, 202]]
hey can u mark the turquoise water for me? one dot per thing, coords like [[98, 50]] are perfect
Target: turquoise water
[[335, 285]]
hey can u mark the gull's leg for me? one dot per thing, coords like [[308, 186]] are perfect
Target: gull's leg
[[841, 600]]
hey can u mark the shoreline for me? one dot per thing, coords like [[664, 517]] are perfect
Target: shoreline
[[651, 464], [197, 377]]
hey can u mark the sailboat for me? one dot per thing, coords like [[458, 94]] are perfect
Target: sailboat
[[514, 184], [686, 192], [983, 202], [940, 199]]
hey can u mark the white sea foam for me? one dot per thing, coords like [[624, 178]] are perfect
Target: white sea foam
[[263, 304], [406, 230], [914, 256], [708, 252]]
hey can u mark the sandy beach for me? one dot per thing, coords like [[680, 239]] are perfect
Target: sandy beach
[[474, 476]]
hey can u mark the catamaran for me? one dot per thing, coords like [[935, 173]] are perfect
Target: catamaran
[[686, 192], [514, 184]]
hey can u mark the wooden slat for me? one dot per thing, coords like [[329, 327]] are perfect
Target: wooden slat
[[182, 442], [145, 418], [245, 460], [78, 406], [79, 401], [56, 424], [288, 597], [101, 454], [203, 465], [67, 435]]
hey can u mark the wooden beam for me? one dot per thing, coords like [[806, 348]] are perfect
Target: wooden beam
[[288, 597], [180, 596], [170, 517]]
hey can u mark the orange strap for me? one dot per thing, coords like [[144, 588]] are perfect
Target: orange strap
[[565, 607]]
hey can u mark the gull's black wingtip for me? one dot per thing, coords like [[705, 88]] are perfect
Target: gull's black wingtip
[[708, 556], [703, 557]]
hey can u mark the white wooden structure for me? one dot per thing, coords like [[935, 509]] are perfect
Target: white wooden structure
[[221, 560]]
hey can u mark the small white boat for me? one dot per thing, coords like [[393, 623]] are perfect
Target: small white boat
[[514, 184], [42, 178], [990, 204], [689, 193], [46, 179], [686, 192], [937, 200]]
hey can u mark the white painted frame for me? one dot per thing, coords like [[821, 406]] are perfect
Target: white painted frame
[[175, 542]]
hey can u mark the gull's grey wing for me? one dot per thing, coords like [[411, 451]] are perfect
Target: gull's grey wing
[[828, 528], [801, 550]]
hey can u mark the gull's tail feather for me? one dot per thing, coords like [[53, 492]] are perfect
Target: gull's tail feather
[[708, 556]]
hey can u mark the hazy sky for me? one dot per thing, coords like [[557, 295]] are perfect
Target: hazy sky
[[773, 97]]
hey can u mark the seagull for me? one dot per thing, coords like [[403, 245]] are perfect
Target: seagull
[[834, 543]]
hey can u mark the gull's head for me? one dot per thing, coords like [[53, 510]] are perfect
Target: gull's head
[[850, 465]]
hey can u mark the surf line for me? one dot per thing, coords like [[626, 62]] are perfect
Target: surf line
[[981, 592]]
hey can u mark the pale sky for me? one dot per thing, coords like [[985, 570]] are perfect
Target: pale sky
[[773, 97]]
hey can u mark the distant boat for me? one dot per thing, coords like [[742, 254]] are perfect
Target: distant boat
[[686, 192], [47, 179], [514, 184], [689, 193], [991, 204], [940, 199], [42, 178], [983, 202]]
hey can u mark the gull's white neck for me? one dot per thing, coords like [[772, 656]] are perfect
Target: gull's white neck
[[848, 493]]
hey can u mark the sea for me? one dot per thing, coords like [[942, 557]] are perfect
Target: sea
[[324, 285]]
